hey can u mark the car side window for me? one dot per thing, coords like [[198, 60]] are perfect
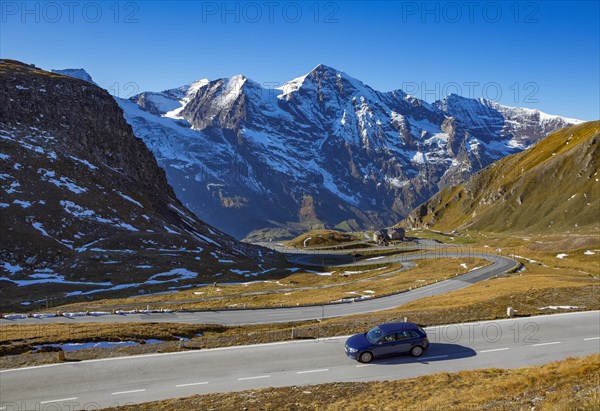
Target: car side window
[[398, 336], [405, 335]]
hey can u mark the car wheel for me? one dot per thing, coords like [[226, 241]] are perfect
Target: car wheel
[[365, 357], [416, 351]]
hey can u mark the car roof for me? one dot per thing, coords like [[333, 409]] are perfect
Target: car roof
[[400, 326]]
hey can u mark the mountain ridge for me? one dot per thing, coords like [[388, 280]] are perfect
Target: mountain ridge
[[322, 150]]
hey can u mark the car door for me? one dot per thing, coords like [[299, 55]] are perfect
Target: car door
[[404, 342], [386, 345]]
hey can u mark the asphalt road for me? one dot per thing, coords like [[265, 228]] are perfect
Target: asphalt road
[[116, 381], [499, 265]]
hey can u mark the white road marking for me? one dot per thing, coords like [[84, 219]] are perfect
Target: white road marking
[[548, 343], [253, 378], [309, 371], [127, 392], [192, 383], [363, 365], [591, 338], [495, 349], [433, 358], [48, 402]]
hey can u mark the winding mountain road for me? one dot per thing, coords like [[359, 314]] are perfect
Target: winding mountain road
[[499, 266]]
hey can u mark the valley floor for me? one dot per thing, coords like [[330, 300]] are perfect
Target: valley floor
[[544, 284]]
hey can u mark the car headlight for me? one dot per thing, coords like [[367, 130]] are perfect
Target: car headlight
[[351, 349]]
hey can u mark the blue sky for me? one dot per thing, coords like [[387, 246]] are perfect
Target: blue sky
[[537, 54]]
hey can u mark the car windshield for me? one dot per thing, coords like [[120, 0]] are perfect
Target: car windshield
[[374, 335]]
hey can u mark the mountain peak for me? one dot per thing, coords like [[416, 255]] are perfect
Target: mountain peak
[[323, 67], [322, 70], [317, 77], [76, 73]]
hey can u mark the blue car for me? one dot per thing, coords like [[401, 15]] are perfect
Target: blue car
[[387, 340]]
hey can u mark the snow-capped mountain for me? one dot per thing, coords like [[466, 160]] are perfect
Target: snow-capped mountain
[[79, 73], [86, 211], [322, 149]]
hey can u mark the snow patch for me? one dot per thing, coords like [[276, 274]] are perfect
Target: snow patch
[[291, 86], [40, 228], [325, 273], [126, 197], [85, 163], [560, 307], [524, 258], [22, 203], [419, 158], [11, 268]]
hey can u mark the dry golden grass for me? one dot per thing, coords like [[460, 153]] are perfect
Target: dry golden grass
[[571, 384], [533, 281], [339, 284], [77, 332]]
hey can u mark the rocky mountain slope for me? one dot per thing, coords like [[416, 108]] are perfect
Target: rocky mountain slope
[[553, 187], [85, 208], [322, 150]]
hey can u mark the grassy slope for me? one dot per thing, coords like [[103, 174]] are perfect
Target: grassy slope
[[551, 188], [318, 238], [563, 385]]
